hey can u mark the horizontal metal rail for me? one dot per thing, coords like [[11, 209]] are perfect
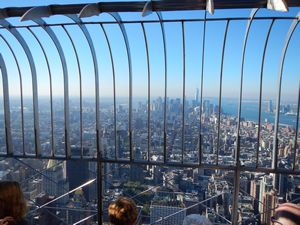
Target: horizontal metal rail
[[184, 209], [212, 19], [167, 164], [138, 6]]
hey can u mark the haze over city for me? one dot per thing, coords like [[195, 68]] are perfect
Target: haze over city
[[200, 131]]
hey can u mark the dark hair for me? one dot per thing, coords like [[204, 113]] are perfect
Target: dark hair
[[12, 202], [288, 215], [123, 211]]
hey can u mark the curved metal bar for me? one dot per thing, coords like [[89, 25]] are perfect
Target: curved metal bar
[[124, 34], [36, 12], [114, 87], [147, 10], [280, 71], [183, 92], [260, 90], [280, 5], [21, 90], [220, 89], [297, 130], [166, 82], [8, 138], [99, 153], [88, 10], [29, 56], [51, 95], [80, 89], [94, 57], [60, 51], [148, 71], [237, 150], [94, 9], [201, 92]]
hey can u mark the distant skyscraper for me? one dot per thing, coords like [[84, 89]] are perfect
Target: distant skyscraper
[[122, 135], [294, 194], [78, 171], [136, 171], [206, 106], [270, 106], [54, 181], [254, 192], [270, 201], [197, 96]]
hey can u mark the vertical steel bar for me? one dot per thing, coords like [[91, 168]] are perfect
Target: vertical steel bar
[[166, 82], [60, 51], [149, 90], [201, 91], [253, 13], [280, 71], [100, 170], [100, 190], [236, 184], [21, 90], [237, 150], [124, 34], [183, 92], [236, 191], [98, 144], [29, 56], [296, 131], [94, 57], [260, 90], [80, 89], [114, 87], [8, 138], [220, 88], [50, 89]]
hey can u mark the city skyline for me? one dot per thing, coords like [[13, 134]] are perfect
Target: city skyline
[[203, 185], [177, 141]]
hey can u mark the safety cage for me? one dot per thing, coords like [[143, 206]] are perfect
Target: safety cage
[[181, 109]]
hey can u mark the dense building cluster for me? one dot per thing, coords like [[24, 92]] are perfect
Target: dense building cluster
[[173, 192]]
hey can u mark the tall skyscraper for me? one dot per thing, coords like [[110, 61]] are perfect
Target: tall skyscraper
[[254, 192], [270, 106], [78, 171], [54, 182], [136, 171], [206, 107], [270, 201]]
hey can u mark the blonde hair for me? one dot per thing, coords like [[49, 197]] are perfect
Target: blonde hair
[[12, 202], [123, 211]]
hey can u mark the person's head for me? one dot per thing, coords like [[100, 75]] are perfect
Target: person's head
[[123, 211], [12, 202], [287, 214], [196, 219]]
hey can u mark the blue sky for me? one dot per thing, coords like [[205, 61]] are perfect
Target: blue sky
[[193, 45]]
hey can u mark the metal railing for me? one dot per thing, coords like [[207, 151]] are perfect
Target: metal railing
[[119, 147]]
